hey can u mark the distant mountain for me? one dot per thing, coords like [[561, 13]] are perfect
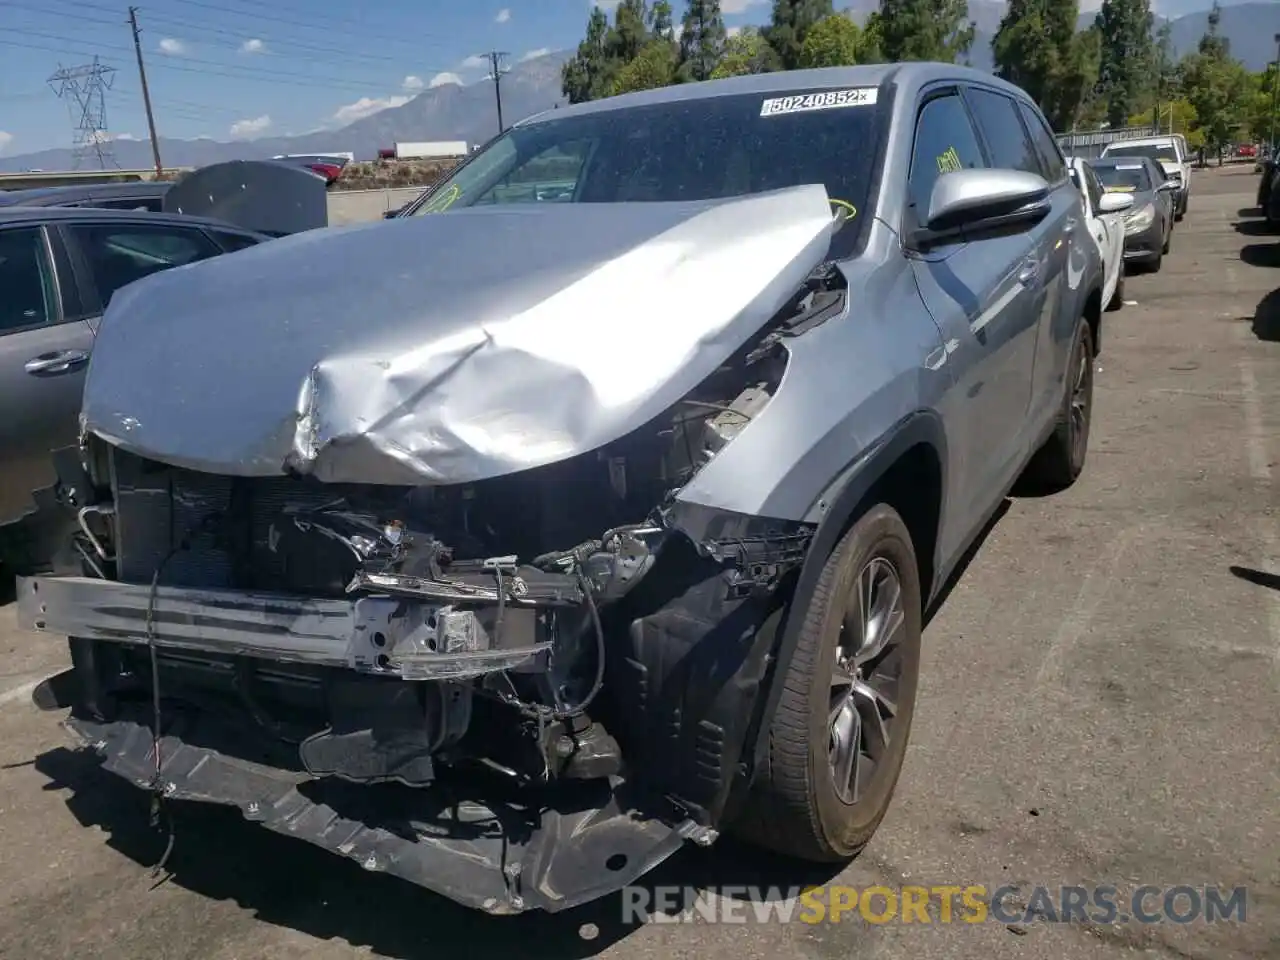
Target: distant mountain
[[449, 112]]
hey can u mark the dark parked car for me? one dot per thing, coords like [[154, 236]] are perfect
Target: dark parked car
[[59, 269], [144, 195], [1149, 223], [506, 548]]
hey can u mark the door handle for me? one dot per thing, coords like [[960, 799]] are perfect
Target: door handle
[[1070, 226], [1030, 270], [60, 361]]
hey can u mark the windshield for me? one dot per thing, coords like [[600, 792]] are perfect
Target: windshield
[[1159, 152], [701, 149], [1124, 177]]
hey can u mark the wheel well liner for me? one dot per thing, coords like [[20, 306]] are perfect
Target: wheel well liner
[[906, 470], [1093, 313]]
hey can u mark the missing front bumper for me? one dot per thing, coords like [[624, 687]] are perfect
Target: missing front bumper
[[501, 858]]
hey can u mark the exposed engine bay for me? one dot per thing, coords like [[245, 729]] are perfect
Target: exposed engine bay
[[546, 656]]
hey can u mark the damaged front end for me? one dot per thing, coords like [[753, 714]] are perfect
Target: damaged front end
[[521, 692]]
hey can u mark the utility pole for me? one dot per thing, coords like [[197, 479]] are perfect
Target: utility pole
[[496, 72], [146, 94]]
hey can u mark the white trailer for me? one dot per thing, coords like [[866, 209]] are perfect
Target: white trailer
[[431, 150]]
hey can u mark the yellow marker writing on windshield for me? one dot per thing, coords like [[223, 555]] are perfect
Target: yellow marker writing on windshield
[[846, 205], [443, 202]]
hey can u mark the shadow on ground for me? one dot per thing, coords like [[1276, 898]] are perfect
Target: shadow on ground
[[1258, 578], [1253, 228], [1266, 317], [1261, 254], [288, 883]]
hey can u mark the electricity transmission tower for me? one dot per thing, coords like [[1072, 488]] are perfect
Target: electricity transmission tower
[[84, 89]]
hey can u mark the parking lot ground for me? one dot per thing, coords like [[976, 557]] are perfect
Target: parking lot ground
[[1100, 704]]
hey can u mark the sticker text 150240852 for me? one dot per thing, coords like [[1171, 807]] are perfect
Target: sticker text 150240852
[[825, 100]]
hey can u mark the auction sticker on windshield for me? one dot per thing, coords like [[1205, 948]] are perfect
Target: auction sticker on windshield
[[825, 100]]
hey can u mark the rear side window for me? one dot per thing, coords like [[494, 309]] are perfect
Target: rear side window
[[27, 296], [1044, 142], [231, 242], [997, 118], [149, 204], [120, 254], [944, 142]]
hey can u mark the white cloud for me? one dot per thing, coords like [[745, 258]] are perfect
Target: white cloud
[[175, 48], [123, 136], [535, 54], [253, 46], [475, 62], [446, 77], [411, 84], [738, 6], [733, 31], [605, 5], [5, 140], [503, 16], [248, 128], [366, 106]]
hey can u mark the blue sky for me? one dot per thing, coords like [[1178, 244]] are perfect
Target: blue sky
[[243, 68]]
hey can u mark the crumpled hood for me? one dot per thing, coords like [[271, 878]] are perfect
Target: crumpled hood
[[444, 348]]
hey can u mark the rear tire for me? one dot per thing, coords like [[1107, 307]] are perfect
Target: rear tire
[[1168, 240], [1156, 263], [805, 802], [1059, 462], [1117, 296]]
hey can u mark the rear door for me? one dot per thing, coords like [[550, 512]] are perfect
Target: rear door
[[983, 296], [1040, 366], [44, 349]]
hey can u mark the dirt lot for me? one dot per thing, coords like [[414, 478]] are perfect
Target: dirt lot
[[1100, 704]]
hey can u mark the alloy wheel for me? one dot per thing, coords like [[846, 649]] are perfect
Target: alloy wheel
[[865, 679], [1080, 397]]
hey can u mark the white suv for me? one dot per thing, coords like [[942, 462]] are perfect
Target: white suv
[[1169, 152]]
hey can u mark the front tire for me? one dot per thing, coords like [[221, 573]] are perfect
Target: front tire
[[838, 739], [1060, 461]]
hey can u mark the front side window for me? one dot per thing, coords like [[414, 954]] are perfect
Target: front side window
[[997, 118], [120, 254], [699, 149], [27, 297], [1093, 187], [944, 142]]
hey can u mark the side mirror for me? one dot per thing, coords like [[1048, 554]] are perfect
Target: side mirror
[[1115, 202], [968, 205], [1169, 185]]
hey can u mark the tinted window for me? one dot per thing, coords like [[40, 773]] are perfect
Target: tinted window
[[997, 118], [118, 255], [26, 281], [699, 149], [150, 204], [1043, 140], [231, 242], [1125, 177], [944, 142]]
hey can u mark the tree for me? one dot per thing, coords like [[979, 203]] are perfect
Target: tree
[[1217, 86], [834, 41], [702, 39], [924, 30], [1125, 62], [746, 53], [1037, 48], [654, 66], [630, 33], [589, 74], [790, 24], [661, 20]]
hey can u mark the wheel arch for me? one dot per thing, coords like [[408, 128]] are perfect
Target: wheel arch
[[907, 469]]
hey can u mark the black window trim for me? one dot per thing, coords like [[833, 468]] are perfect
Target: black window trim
[[1022, 122], [1026, 104], [58, 316]]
